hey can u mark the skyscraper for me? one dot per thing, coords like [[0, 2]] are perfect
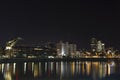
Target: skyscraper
[[97, 46], [66, 49], [93, 44]]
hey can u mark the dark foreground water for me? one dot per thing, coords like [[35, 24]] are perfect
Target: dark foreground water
[[60, 71]]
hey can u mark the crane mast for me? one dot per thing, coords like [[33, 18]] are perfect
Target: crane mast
[[10, 44]]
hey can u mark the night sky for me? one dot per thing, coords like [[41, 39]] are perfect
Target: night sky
[[74, 21]]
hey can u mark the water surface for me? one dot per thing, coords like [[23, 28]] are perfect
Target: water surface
[[85, 70]]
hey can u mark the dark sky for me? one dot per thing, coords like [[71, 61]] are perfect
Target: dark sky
[[76, 21]]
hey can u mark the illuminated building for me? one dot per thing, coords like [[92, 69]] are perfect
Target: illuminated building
[[66, 49], [62, 48], [93, 44], [97, 46], [73, 49], [59, 48], [100, 47]]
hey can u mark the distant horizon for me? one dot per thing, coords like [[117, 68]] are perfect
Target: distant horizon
[[85, 45]]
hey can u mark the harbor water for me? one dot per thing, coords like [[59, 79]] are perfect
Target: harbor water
[[74, 70]]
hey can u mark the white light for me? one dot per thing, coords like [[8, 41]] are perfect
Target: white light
[[32, 66], [25, 67], [2, 68], [14, 67], [8, 48], [50, 56]]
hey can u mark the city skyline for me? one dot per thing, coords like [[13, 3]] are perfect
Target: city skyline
[[59, 40], [55, 21]]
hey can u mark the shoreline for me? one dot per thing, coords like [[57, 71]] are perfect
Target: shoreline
[[12, 60]]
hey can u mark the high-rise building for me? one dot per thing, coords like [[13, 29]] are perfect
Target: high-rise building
[[59, 48], [97, 46], [66, 49], [73, 49], [93, 44]]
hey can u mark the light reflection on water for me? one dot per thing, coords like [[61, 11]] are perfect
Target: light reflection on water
[[59, 70]]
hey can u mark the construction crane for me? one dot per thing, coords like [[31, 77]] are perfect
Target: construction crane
[[10, 44]]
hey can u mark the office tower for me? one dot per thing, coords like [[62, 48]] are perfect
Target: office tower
[[66, 49], [93, 44]]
